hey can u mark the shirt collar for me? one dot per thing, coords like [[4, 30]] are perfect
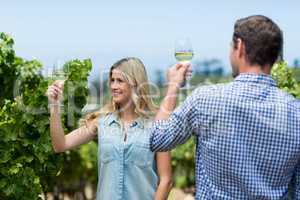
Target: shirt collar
[[114, 118], [256, 78]]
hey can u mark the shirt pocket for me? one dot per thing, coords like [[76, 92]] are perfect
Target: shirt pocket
[[141, 155], [108, 151]]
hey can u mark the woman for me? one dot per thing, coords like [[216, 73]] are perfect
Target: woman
[[128, 170]]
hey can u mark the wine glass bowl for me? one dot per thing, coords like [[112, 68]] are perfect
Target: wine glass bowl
[[58, 72], [184, 54]]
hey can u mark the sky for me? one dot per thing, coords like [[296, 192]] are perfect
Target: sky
[[105, 31]]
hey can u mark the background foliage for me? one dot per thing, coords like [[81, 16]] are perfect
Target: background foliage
[[28, 165]]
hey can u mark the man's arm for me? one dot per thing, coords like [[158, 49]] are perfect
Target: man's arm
[[297, 183], [170, 130], [168, 133]]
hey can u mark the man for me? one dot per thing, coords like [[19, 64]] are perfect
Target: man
[[247, 132]]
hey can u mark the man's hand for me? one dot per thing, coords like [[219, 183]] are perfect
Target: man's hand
[[177, 74]]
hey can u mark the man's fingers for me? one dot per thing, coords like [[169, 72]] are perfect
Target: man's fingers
[[178, 65], [184, 68], [189, 70]]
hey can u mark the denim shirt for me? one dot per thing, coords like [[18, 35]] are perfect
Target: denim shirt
[[126, 168]]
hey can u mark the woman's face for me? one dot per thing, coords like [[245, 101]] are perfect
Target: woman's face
[[120, 88]]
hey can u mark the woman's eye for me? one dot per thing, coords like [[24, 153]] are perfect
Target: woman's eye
[[117, 80]]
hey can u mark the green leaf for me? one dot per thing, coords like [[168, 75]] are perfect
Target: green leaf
[[14, 170], [2, 183], [36, 180]]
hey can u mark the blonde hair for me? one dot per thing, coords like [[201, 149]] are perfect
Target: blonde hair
[[135, 74]]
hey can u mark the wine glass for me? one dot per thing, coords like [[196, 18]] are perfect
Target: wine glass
[[58, 72], [184, 54]]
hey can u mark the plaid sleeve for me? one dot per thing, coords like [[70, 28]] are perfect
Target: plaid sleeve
[[167, 134], [297, 183], [297, 173]]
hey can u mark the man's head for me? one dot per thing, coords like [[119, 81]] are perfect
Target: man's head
[[257, 42]]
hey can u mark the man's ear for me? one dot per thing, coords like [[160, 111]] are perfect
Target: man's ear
[[241, 48]]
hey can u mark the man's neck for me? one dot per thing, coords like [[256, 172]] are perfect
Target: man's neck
[[255, 69]]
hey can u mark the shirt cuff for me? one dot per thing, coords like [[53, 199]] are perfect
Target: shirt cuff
[[157, 129]]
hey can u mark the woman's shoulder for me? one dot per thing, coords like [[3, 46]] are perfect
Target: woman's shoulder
[[147, 121], [107, 118]]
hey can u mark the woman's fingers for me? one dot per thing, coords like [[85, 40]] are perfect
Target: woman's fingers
[[59, 83], [54, 92], [57, 89]]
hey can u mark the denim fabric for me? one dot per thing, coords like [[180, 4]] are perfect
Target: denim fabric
[[126, 169]]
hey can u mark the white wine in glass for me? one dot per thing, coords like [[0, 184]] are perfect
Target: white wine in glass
[[58, 72], [184, 53], [184, 56]]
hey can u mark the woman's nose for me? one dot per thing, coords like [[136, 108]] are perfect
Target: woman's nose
[[114, 85]]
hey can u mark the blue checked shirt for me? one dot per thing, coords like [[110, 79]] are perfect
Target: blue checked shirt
[[247, 139]]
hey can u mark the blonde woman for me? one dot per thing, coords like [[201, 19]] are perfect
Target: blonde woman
[[128, 170]]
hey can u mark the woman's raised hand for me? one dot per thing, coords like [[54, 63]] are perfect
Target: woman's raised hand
[[55, 91]]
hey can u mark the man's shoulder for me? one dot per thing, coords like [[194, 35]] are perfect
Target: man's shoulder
[[206, 91], [287, 98]]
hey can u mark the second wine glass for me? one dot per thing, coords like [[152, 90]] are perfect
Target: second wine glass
[[184, 53]]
